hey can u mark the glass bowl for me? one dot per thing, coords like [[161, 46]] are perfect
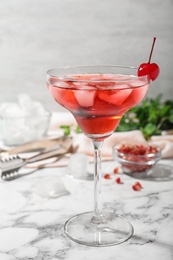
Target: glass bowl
[[137, 160], [16, 130]]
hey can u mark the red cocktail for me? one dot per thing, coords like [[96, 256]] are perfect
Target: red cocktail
[[97, 96], [98, 101]]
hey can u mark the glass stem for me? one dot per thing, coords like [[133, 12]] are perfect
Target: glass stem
[[97, 182]]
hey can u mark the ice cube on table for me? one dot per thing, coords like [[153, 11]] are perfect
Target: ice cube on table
[[77, 166], [51, 188]]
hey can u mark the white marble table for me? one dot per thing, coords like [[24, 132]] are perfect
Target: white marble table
[[31, 226]]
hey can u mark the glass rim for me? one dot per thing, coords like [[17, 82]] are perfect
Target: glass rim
[[55, 73]]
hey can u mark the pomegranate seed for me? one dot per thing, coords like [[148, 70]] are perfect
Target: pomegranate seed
[[116, 170], [137, 186], [118, 180], [107, 176]]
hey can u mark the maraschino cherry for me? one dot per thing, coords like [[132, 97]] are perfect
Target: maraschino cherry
[[151, 69]]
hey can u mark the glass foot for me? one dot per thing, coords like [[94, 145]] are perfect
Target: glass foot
[[111, 230]]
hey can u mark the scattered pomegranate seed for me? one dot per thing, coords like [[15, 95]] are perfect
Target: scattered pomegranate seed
[[137, 186], [116, 170], [118, 180], [107, 176]]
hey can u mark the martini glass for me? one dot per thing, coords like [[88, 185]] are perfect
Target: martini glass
[[98, 97]]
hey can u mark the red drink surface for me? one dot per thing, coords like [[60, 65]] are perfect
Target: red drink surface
[[98, 101]]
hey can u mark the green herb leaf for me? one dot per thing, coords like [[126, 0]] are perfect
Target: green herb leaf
[[171, 118], [149, 129], [78, 130], [66, 129], [151, 117]]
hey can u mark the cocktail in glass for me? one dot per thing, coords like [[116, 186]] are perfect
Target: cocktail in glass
[[98, 97]]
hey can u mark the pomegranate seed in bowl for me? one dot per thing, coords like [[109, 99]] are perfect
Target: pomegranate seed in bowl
[[136, 158]]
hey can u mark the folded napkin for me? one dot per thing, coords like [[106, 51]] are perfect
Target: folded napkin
[[166, 144], [84, 144]]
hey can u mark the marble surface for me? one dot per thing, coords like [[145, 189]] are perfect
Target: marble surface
[[32, 218]]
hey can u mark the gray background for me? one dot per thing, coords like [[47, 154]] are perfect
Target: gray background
[[36, 35]]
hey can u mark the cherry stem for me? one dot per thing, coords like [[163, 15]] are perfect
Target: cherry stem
[[151, 52]]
